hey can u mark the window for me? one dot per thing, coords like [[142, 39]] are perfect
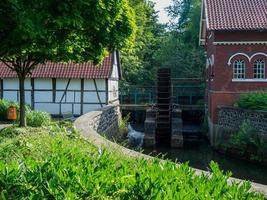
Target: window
[[259, 69], [239, 69]]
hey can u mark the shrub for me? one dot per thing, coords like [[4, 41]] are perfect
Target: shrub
[[37, 118], [34, 118], [123, 125], [4, 105], [249, 142], [48, 164], [254, 101]]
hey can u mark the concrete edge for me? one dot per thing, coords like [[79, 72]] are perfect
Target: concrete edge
[[82, 124]]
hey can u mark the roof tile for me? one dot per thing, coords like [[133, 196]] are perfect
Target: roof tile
[[69, 70], [237, 14]]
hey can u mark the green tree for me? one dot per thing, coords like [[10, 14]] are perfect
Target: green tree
[[138, 63], [180, 50], [36, 31]]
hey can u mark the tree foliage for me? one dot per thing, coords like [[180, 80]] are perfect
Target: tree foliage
[[35, 31], [139, 67], [180, 50], [174, 45], [77, 30]]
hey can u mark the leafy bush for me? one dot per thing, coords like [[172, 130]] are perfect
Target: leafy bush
[[37, 118], [46, 163], [254, 101], [123, 125], [249, 142], [4, 105]]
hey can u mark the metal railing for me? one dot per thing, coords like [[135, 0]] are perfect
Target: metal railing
[[181, 94]]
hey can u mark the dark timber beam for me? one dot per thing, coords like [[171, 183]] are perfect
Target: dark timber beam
[[97, 93], [107, 92], [32, 93], [82, 95], [1, 89], [54, 88]]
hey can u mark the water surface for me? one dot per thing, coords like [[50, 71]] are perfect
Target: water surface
[[200, 155]]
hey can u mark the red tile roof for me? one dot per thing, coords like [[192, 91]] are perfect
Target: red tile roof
[[236, 14], [70, 70]]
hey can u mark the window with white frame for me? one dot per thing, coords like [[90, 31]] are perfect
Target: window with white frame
[[239, 69], [259, 69]]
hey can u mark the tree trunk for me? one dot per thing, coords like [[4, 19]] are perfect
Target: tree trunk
[[22, 113]]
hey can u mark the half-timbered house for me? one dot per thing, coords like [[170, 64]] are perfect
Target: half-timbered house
[[60, 88]]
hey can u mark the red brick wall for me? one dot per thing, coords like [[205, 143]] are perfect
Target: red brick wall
[[241, 36], [221, 90], [223, 73]]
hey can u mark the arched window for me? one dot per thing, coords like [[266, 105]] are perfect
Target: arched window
[[239, 69], [259, 69]]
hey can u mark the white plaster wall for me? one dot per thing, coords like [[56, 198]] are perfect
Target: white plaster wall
[[91, 97], [115, 72], [113, 93], [44, 99], [89, 108], [75, 84], [43, 83], [70, 96], [13, 84], [89, 84], [67, 108], [48, 107], [43, 96]]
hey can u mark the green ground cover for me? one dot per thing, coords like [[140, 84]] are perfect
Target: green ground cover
[[248, 143], [54, 162]]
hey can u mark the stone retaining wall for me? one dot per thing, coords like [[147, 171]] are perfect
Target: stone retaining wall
[[231, 118], [90, 123], [106, 121]]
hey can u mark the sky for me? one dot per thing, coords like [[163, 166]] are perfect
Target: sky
[[160, 5]]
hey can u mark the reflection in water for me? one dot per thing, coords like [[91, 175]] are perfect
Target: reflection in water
[[199, 156]]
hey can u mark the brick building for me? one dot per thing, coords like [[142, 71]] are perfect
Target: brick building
[[234, 34]]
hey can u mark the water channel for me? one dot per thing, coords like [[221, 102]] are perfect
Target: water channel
[[199, 154]]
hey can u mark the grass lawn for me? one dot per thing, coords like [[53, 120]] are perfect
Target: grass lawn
[[53, 162]]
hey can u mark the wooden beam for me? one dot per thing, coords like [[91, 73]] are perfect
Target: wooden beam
[[54, 88], [65, 92], [1, 89], [82, 95], [107, 92], [32, 94], [97, 93]]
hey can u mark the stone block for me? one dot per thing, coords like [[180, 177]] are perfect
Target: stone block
[[177, 113], [177, 141], [151, 113], [149, 141], [150, 127]]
